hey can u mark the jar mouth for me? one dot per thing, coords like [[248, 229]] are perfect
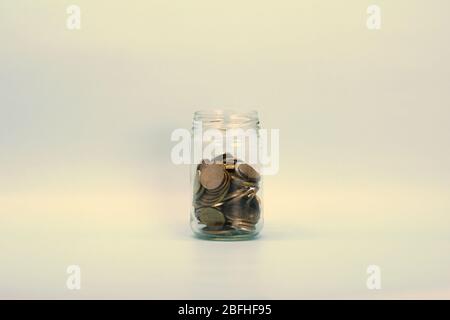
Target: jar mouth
[[226, 114]]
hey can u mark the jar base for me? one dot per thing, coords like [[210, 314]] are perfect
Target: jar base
[[243, 237], [230, 237]]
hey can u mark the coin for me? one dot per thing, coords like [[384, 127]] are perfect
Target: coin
[[242, 210], [197, 186], [222, 231], [209, 201], [232, 211], [241, 183], [253, 210], [247, 172], [238, 194], [198, 196], [211, 217], [212, 176], [230, 166], [210, 197], [243, 226]]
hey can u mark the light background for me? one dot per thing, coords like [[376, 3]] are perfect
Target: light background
[[85, 123]]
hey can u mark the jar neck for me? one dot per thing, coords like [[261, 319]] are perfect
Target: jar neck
[[225, 119]]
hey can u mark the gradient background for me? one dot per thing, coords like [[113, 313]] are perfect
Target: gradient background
[[85, 123]]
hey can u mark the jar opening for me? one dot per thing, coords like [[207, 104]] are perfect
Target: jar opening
[[227, 118], [223, 113]]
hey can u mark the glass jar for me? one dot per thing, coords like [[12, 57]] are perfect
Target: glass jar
[[225, 175]]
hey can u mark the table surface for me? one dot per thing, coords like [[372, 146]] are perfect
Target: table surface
[[143, 258]]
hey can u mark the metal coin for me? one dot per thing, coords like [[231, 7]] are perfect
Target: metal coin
[[248, 173], [232, 211], [230, 166], [211, 217], [197, 186], [217, 195], [214, 231], [243, 226], [238, 194], [239, 182], [242, 211], [212, 176], [253, 210]]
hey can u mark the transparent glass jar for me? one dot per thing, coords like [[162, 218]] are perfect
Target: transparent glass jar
[[225, 175]]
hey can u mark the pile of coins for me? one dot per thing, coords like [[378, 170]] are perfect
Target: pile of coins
[[225, 198]]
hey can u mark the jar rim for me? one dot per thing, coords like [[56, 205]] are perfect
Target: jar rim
[[226, 113]]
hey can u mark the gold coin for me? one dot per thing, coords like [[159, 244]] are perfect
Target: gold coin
[[197, 186], [214, 231], [214, 196], [212, 176], [248, 172], [211, 217], [230, 166]]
